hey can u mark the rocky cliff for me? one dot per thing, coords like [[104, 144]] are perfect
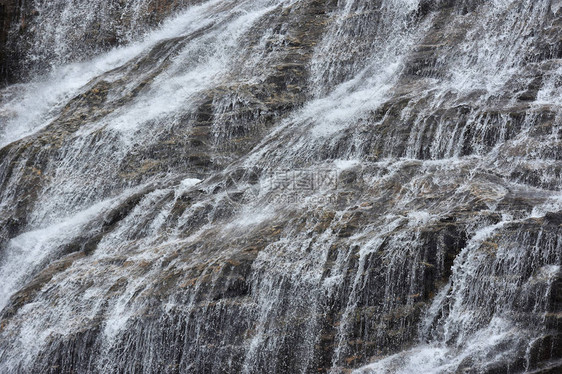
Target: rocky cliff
[[9, 15], [283, 186]]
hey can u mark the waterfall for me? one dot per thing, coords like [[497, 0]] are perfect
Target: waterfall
[[282, 186]]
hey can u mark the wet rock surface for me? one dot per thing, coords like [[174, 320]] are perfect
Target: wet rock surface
[[28, 36], [155, 224]]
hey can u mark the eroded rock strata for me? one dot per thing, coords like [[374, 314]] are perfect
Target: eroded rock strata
[[178, 212]]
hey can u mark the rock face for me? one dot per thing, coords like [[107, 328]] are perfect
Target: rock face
[[39, 35], [9, 12], [282, 187]]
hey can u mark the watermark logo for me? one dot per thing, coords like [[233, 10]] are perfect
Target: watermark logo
[[303, 180], [284, 186]]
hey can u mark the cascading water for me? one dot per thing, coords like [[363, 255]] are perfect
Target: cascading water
[[283, 186]]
